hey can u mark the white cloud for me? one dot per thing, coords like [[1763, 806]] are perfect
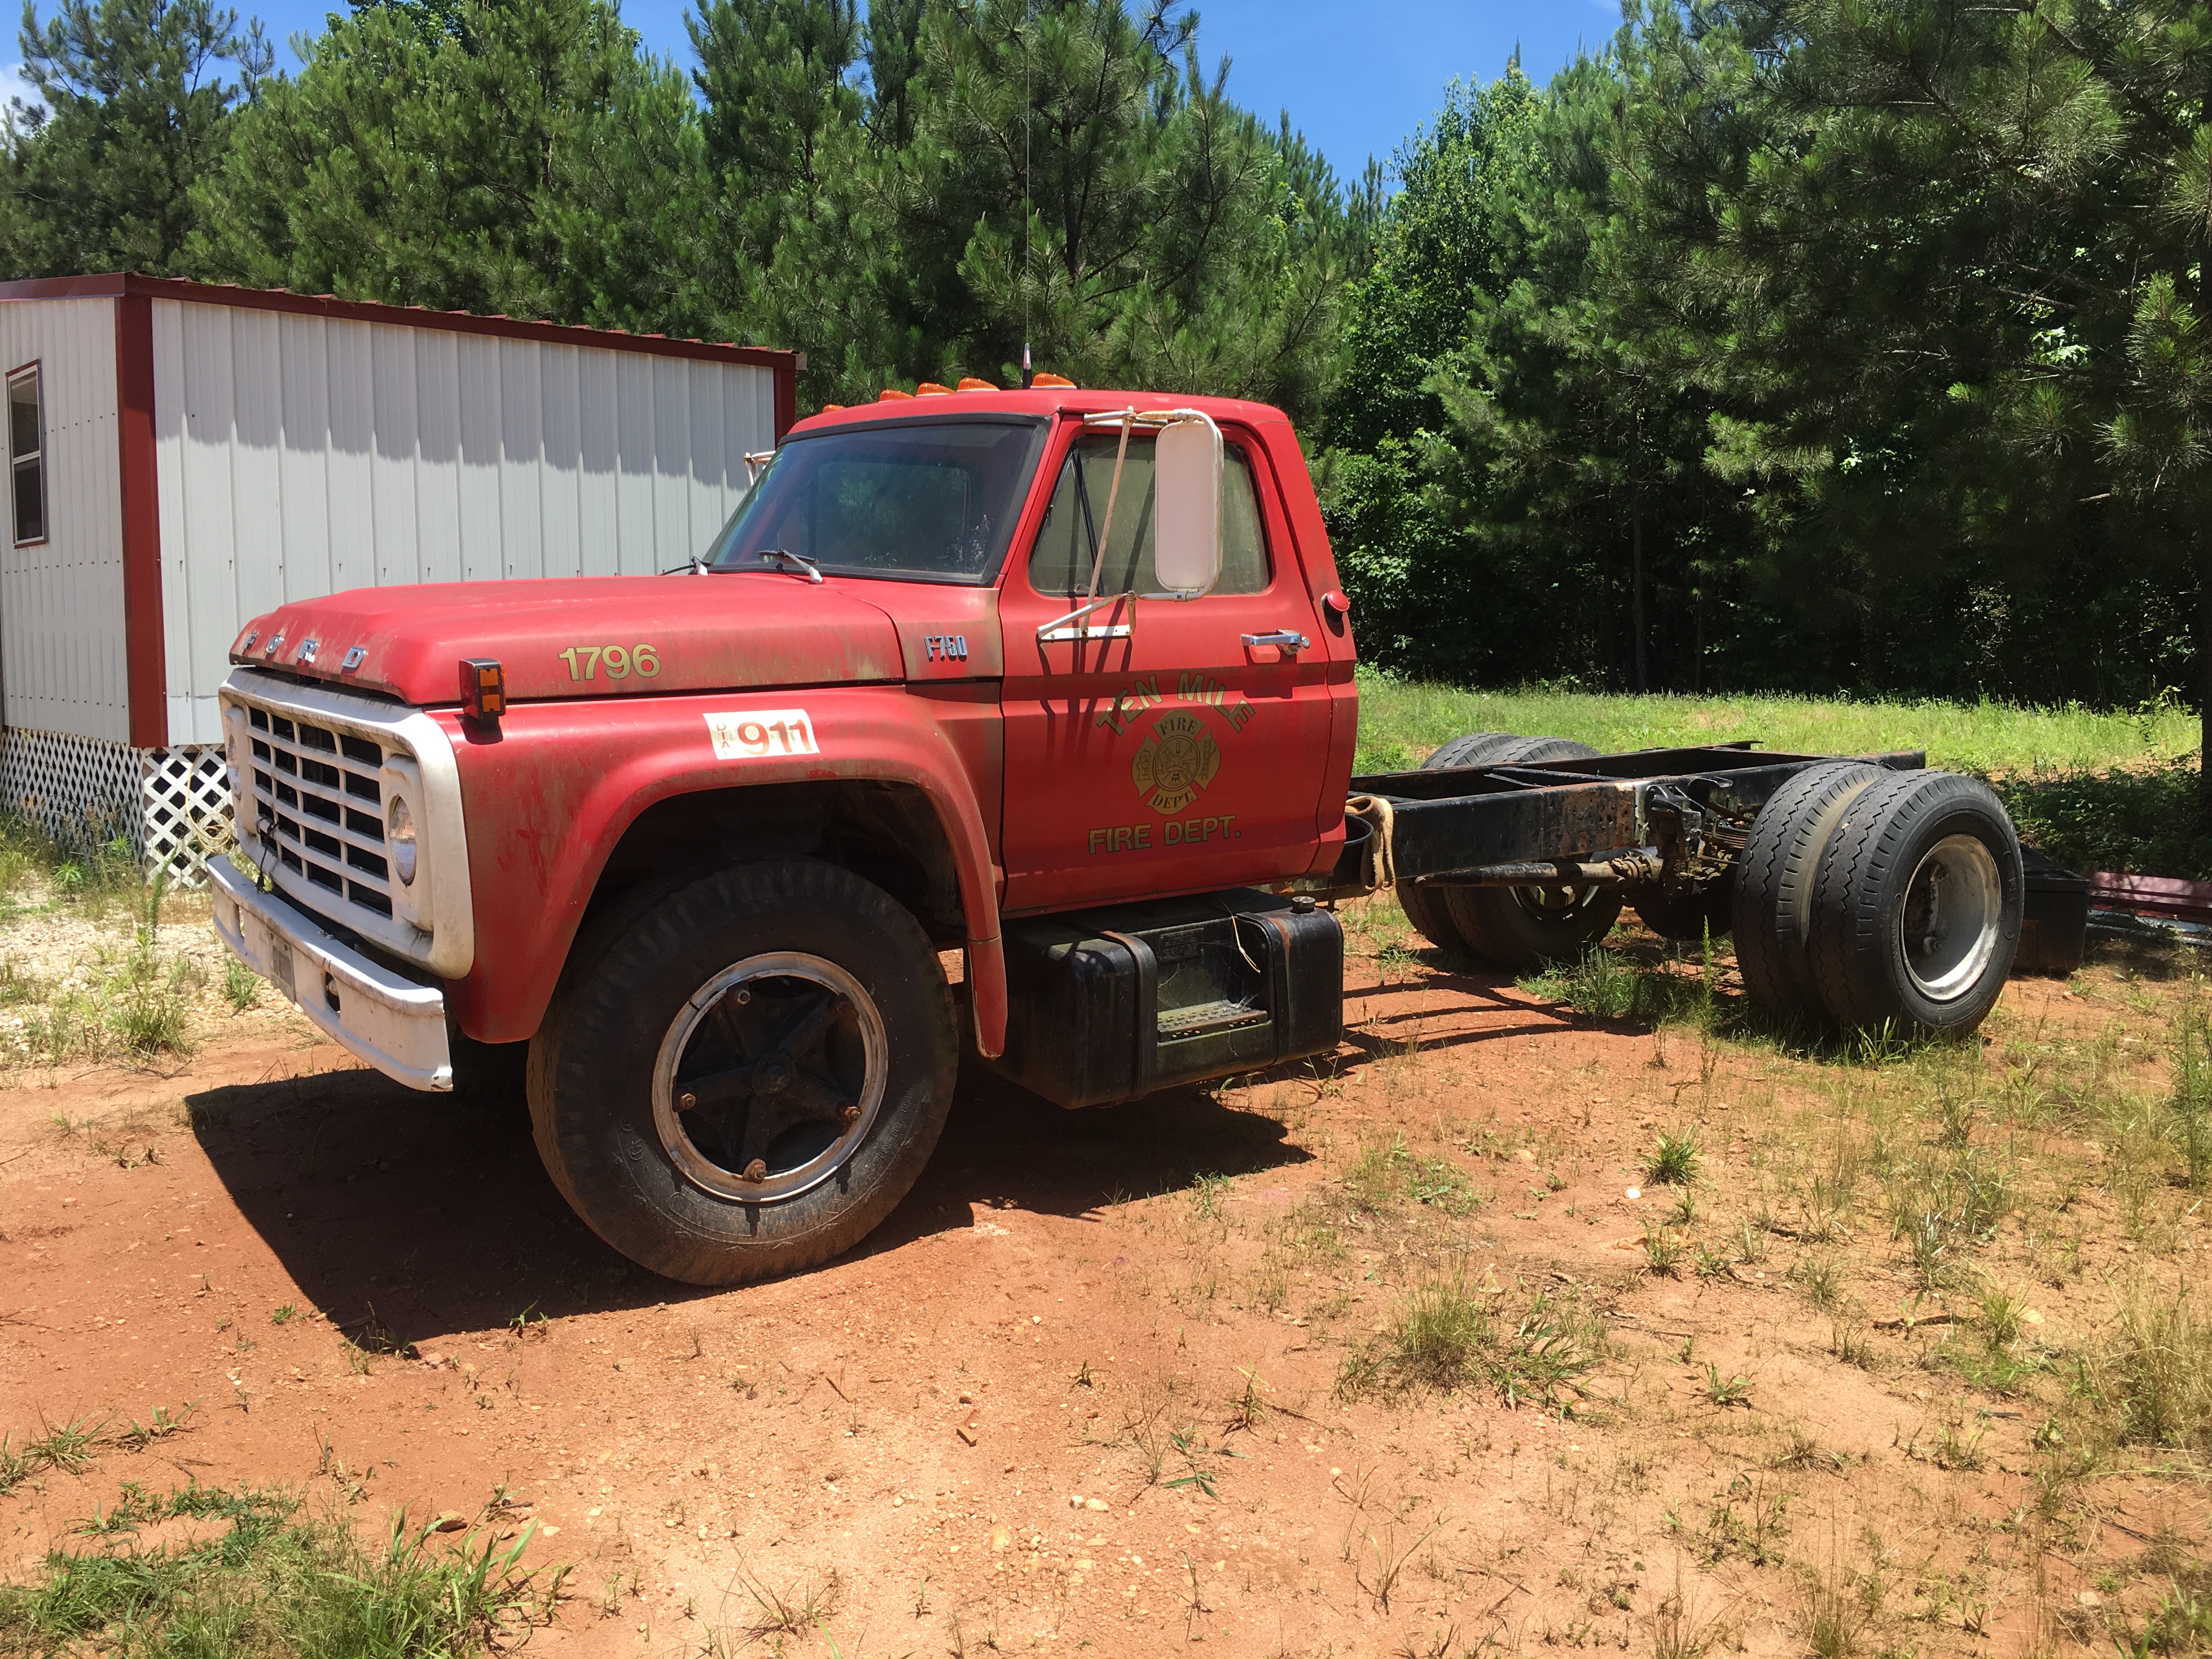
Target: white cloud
[[14, 86]]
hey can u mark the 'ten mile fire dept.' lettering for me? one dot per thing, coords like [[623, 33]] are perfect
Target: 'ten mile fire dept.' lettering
[[1178, 758]]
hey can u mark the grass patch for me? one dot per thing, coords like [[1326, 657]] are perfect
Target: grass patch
[[1410, 718], [2154, 1373], [252, 1575], [2096, 789], [1674, 1161], [1388, 1176], [1444, 1337]]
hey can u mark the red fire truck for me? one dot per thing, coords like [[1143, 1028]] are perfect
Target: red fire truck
[[1031, 711]]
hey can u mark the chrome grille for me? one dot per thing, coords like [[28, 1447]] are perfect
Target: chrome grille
[[318, 802]]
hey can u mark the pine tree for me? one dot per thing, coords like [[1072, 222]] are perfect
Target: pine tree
[[132, 99], [526, 160], [1947, 263]]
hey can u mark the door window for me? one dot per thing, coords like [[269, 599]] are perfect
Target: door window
[[26, 444], [1067, 544]]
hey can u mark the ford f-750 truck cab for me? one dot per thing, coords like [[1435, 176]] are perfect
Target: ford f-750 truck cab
[[1051, 686]]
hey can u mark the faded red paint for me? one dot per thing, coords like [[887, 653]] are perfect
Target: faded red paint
[[1177, 761], [706, 633], [547, 801]]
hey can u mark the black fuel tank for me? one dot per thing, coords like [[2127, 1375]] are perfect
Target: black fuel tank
[[1110, 1005]]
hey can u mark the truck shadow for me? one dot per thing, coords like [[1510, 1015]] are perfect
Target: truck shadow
[[405, 1216]]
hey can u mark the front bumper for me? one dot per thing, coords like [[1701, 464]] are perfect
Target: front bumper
[[396, 1024]]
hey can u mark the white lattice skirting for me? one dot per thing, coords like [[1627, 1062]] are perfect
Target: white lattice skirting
[[170, 805]]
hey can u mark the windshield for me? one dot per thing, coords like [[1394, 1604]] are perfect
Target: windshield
[[929, 501]]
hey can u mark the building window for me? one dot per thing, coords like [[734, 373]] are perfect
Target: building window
[[27, 452]]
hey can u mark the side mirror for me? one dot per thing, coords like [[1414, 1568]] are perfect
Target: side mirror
[[1186, 506]]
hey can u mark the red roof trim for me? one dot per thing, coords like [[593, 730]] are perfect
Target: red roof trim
[[361, 311]]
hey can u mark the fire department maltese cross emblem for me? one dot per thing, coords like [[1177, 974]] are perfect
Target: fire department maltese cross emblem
[[1177, 758]]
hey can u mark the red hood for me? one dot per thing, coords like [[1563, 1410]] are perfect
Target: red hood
[[706, 634]]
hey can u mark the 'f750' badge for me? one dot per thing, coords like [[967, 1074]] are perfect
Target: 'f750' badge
[[1177, 758]]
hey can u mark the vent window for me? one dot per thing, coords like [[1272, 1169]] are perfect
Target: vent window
[[26, 454]]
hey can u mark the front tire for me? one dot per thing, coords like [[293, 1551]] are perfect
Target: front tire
[[746, 1078]]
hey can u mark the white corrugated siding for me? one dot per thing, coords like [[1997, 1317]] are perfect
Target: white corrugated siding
[[299, 457], [62, 663]]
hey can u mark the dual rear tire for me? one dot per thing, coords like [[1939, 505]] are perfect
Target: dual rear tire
[[1862, 898], [1867, 899]]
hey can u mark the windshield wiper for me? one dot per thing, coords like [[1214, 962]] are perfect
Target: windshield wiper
[[798, 563]]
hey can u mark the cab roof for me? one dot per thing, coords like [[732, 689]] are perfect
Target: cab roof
[[1051, 402]]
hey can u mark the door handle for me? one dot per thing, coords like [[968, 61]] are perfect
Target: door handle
[[1288, 639]]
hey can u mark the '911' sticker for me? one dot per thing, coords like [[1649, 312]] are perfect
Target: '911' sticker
[[756, 733]]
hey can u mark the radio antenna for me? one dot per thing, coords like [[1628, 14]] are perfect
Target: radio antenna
[[1029, 105]]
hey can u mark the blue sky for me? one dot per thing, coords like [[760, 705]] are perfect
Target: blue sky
[[1357, 78]]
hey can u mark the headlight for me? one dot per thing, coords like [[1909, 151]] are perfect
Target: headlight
[[399, 837]]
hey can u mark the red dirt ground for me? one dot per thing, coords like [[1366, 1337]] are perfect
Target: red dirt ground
[[698, 1457]]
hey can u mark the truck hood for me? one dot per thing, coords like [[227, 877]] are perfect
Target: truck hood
[[677, 633]]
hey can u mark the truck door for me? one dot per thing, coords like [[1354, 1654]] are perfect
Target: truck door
[[1157, 746]]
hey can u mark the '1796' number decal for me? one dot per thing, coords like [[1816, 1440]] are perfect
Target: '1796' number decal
[[584, 661], [754, 734]]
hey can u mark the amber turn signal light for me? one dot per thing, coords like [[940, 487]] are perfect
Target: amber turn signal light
[[484, 689], [1043, 379]]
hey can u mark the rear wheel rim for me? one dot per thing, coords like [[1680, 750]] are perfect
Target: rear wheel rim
[[770, 1076], [1947, 928], [1556, 907]]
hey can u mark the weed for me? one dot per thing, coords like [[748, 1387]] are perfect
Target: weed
[[1383, 1562], [1711, 1264], [284, 1315], [241, 986], [2192, 1100], [1146, 1427], [1442, 1338], [1387, 1175], [1208, 1194], [1725, 1392], [1675, 1633], [1822, 1276], [2182, 1621], [1663, 1249], [2155, 1371], [65, 1446], [1836, 1613], [797, 1609], [160, 1423], [1602, 984], [1848, 1341], [1751, 1242], [1673, 1162], [1751, 1521], [1248, 1409], [1959, 1448]]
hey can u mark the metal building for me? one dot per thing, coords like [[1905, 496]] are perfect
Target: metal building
[[184, 456]]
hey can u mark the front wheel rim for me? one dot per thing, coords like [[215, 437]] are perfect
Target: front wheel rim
[[770, 1076], [1947, 928]]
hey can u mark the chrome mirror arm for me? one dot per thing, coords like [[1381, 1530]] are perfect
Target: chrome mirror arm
[[1060, 629]]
